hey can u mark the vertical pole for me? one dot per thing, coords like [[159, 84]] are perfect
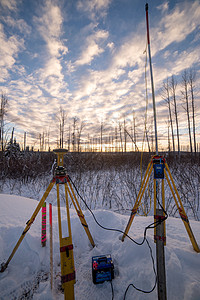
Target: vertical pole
[[51, 244], [159, 243], [163, 205], [154, 193], [160, 257], [43, 233], [152, 83]]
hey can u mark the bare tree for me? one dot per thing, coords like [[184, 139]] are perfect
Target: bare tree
[[134, 129], [167, 99], [116, 139], [75, 120], [101, 134], [169, 146], [62, 118], [3, 110], [173, 85], [147, 137], [79, 132], [24, 140], [69, 138], [125, 135], [191, 84], [185, 94], [120, 135]]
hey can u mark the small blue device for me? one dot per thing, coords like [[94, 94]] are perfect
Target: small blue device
[[158, 165], [102, 268]]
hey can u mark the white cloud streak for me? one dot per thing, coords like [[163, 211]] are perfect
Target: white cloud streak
[[9, 50], [49, 25], [94, 8], [175, 26], [92, 47], [9, 4], [19, 24]]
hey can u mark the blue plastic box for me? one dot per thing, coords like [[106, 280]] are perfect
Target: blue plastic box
[[102, 268]]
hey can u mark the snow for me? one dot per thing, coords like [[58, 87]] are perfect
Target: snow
[[27, 275]]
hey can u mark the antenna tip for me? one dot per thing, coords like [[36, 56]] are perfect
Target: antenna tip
[[146, 7]]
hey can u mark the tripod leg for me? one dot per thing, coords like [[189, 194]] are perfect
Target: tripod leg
[[139, 198], [181, 210], [66, 254], [79, 212], [29, 223]]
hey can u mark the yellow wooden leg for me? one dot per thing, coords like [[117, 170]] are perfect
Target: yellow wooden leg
[[66, 254], [29, 223], [80, 214], [138, 199], [181, 210]]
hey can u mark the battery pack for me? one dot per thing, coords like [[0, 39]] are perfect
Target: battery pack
[[158, 165], [102, 268]]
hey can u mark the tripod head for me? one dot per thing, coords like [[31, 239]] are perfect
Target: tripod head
[[60, 156]]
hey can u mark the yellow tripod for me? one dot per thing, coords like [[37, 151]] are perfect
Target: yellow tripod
[[161, 169], [66, 246]]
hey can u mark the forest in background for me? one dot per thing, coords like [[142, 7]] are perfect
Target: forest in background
[[104, 180]]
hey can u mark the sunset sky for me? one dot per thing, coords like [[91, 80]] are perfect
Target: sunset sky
[[88, 57]]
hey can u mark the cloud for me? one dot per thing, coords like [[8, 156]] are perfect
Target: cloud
[[20, 25], [110, 45], [111, 91], [189, 58], [94, 8], [176, 25], [49, 25], [163, 7], [9, 4], [92, 48], [10, 47]]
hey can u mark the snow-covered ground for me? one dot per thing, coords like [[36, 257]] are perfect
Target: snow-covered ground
[[27, 275]]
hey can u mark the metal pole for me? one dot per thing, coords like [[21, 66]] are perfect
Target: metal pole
[[160, 258], [160, 252], [152, 83]]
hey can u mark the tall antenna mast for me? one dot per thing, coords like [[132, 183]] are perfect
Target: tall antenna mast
[[152, 84]]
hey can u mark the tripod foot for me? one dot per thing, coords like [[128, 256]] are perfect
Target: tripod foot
[[3, 267]]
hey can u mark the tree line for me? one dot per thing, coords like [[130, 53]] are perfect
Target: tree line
[[187, 101], [126, 134]]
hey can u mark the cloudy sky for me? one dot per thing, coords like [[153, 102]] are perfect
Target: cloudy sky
[[88, 57]]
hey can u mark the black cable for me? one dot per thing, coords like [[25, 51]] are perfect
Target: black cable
[[152, 225], [112, 289], [140, 290], [114, 229]]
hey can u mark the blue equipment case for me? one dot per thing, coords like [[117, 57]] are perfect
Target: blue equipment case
[[102, 268]]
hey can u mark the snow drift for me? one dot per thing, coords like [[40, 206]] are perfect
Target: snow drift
[[27, 275]]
